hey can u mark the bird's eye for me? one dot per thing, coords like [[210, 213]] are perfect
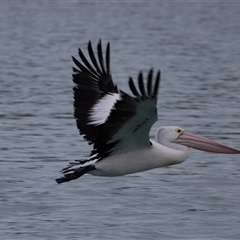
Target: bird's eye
[[178, 130]]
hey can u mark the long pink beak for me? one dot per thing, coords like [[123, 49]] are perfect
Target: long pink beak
[[204, 144]]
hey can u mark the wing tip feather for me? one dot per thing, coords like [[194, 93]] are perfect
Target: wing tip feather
[[146, 91]]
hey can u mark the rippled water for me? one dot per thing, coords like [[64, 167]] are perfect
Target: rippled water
[[197, 48]]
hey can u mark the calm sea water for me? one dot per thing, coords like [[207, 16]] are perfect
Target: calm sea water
[[196, 45]]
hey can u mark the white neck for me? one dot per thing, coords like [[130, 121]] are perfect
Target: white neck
[[171, 153]]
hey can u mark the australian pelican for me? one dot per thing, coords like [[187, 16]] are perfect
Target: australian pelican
[[118, 124]]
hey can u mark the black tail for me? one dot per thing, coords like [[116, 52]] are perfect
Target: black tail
[[75, 174]]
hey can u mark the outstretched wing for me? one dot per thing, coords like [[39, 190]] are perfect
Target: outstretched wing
[[111, 119], [92, 84]]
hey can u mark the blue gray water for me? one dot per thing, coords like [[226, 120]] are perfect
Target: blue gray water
[[196, 46]]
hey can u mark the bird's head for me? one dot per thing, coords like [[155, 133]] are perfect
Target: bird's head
[[172, 136]]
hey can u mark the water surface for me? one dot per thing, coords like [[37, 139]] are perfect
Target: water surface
[[195, 45]]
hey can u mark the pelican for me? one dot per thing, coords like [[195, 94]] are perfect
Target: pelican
[[117, 124]]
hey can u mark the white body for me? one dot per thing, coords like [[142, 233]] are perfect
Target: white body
[[140, 160]]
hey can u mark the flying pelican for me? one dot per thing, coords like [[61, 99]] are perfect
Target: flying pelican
[[118, 124]]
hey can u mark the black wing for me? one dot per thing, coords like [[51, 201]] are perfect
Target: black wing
[[92, 83], [111, 119]]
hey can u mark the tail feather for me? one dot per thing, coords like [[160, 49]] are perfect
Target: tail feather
[[76, 173]]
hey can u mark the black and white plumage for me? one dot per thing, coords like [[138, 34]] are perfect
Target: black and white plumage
[[118, 124]]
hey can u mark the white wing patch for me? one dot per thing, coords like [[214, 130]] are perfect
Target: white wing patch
[[102, 109]]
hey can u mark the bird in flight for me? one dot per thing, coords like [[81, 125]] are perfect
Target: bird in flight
[[117, 124]]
